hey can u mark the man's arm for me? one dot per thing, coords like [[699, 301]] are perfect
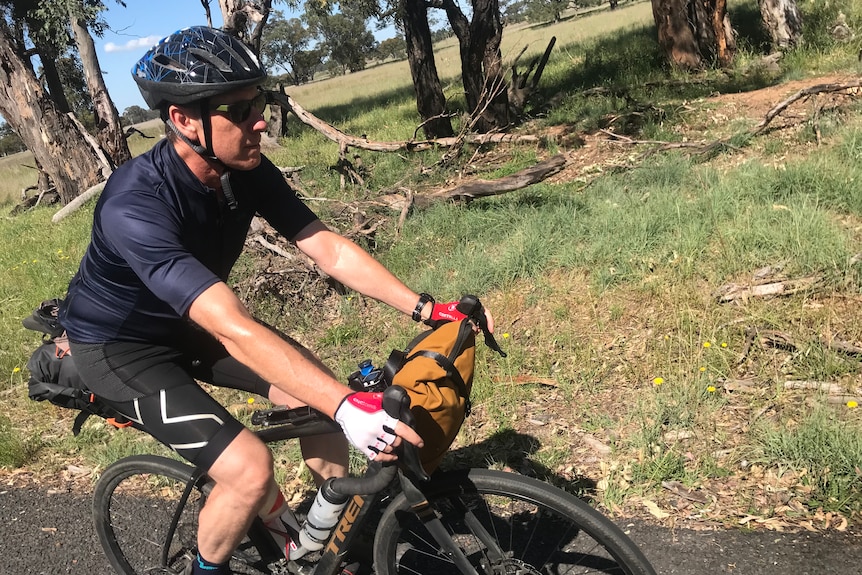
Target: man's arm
[[345, 261], [222, 314]]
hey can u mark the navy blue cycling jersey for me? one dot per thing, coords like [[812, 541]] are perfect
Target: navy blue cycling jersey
[[160, 238]]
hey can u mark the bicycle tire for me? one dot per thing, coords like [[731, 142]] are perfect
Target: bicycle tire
[[541, 530], [133, 504]]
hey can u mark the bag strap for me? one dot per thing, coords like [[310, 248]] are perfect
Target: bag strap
[[447, 366]]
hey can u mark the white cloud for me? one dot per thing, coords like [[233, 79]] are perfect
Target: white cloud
[[135, 44]]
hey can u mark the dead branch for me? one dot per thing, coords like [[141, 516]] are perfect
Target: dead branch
[[522, 179], [732, 292], [821, 386], [97, 149], [336, 135], [272, 247], [842, 347], [77, 202], [804, 93], [522, 86]]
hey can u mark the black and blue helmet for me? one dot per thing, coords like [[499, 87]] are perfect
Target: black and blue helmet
[[194, 64]]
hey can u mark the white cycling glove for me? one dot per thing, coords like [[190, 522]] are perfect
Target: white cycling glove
[[364, 422]]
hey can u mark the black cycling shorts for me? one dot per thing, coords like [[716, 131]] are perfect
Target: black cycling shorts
[[157, 387]]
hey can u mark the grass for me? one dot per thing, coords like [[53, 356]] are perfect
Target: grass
[[602, 284]]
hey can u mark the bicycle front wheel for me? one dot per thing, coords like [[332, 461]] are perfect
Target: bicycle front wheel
[[504, 524]]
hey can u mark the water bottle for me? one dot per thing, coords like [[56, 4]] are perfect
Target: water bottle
[[321, 519], [367, 378]]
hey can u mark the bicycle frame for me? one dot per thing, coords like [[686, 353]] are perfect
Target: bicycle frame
[[300, 422]]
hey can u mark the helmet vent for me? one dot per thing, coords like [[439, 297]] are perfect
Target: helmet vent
[[169, 63], [214, 60]]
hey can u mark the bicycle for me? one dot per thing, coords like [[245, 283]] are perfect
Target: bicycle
[[473, 521]]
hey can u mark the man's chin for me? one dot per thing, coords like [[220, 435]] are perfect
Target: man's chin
[[251, 161]]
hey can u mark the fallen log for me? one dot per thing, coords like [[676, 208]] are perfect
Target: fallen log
[[522, 179]]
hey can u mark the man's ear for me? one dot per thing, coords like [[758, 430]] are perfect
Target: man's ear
[[184, 122]]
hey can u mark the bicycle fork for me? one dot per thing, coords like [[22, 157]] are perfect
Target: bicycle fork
[[423, 510]]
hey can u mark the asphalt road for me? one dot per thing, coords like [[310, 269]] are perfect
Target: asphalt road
[[52, 534]]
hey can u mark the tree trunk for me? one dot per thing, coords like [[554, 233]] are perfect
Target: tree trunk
[[486, 35], [783, 22], [245, 20], [57, 146], [430, 101], [52, 80], [108, 129], [481, 62], [694, 33]]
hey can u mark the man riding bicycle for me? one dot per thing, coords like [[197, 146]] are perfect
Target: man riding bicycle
[[149, 313]]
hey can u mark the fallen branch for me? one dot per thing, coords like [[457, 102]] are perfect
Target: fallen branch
[[821, 386], [336, 135], [522, 179], [77, 202], [732, 292], [804, 93]]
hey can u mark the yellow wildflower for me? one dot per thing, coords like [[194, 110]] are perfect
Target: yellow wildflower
[[707, 344], [852, 404], [658, 381], [711, 389]]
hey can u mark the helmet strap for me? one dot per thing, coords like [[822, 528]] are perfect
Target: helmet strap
[[207, 152]]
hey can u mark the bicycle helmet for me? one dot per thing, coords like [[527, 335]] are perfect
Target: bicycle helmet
[[193, 64]]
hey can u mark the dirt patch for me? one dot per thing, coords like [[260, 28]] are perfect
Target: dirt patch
[[709, 119]]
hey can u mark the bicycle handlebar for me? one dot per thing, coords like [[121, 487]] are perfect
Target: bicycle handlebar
[[475, 312]]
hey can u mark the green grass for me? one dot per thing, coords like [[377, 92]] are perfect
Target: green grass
[[600, 284]]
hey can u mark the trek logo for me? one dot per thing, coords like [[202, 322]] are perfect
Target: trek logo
[[346, 523]]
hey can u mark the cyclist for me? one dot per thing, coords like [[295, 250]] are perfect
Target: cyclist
[[149, 314]]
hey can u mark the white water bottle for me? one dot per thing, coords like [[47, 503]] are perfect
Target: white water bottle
[[321, 519]]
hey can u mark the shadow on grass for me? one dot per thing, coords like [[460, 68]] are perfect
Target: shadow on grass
[[514, 450]]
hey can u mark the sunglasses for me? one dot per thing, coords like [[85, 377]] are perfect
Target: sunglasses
[[239, 112]]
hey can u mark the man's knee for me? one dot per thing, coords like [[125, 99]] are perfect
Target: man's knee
[[245, 466]]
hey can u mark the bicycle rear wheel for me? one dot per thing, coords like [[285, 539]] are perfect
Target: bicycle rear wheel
[[505, 524], [134, 503]]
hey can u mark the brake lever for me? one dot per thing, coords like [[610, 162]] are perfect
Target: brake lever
[[396, 403], [475, 312]]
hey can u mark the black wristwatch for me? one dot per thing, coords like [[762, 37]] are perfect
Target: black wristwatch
[[424, 298]]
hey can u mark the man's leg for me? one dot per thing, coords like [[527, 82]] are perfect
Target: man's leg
[[242, 475]]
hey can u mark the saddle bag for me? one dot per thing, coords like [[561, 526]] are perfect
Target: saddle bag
[[53, 375]]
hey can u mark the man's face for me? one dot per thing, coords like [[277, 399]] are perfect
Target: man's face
[[237, 123]]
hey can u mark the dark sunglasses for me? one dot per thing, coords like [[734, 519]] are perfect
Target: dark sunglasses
[[239, 112]]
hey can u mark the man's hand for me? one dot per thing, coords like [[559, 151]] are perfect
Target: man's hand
[[369, 428], [443, 312]]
